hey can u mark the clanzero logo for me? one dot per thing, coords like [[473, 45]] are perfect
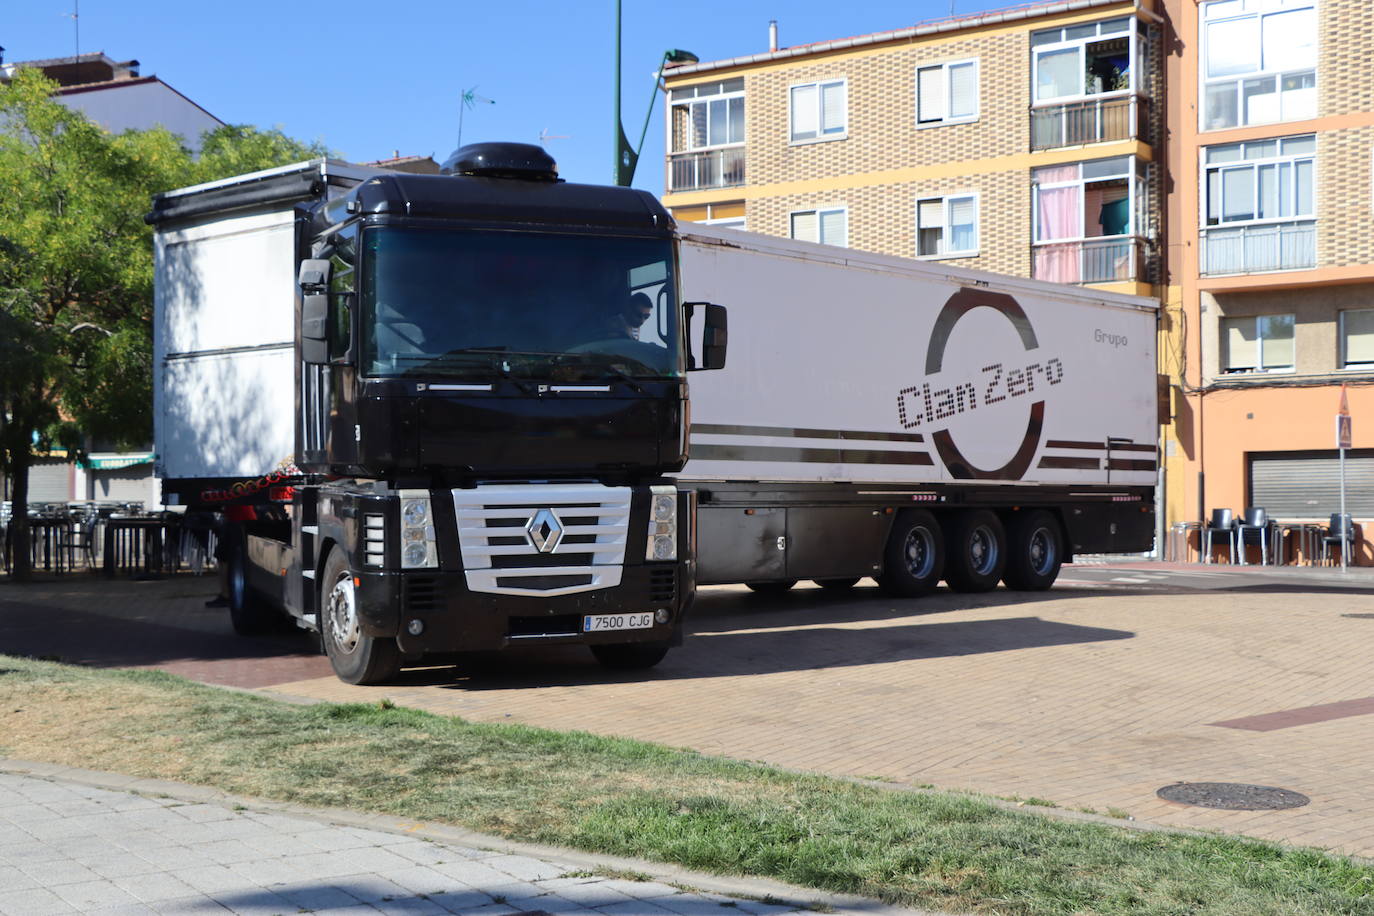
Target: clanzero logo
[[938, 408]]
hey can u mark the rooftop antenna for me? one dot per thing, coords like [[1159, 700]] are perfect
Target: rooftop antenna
[[75, 17], [470, 100], [545, 136]]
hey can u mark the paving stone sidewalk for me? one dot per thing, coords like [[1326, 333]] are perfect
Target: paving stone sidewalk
[[72, 845]]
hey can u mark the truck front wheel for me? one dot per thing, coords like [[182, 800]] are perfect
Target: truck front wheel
[[1034, 551], [356, 657], [976, 551], [914, 558], [629, 656]]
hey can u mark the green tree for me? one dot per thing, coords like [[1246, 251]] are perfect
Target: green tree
[[76, 271]]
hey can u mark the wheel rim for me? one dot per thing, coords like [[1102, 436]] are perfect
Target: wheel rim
[[1042, 551], [342, 615], [982, 550], [919, 552]]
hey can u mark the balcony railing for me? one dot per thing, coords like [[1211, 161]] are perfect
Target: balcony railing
[[1091, 261], [716, 168], [1090, 121], [1255, 249]]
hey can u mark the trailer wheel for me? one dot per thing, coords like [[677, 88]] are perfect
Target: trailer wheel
[[629, 656], [356, 657], [914, 558], [837, 585], [976, 551], [1034, 551], [248, 614], [776, 587]]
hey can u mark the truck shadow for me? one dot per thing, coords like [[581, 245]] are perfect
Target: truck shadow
[[794, 646]]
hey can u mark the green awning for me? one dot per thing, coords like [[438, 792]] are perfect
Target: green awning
[[115, 462]]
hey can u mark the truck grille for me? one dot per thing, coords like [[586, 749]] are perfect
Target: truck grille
[[421, 594], [662, 585], [582, 529]]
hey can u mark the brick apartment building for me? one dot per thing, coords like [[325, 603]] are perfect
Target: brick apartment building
[[1107, 143]]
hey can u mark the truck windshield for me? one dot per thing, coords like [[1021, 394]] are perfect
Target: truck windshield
[[473, 304]]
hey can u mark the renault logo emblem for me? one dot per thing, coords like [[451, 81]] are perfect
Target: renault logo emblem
[[544, 531]]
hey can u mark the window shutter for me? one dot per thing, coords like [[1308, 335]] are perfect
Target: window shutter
[[930, 213], [804, 122], [963, 90], [929, 94], [1358, 328], [832, 227], [804, 226], [1242, 345], [832, 108]]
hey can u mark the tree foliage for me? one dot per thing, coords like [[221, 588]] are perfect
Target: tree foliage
[[76, 267]]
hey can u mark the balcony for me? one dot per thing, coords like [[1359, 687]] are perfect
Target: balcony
[[1257, 249], [1090, 121], [1106, 260], [699, 171]]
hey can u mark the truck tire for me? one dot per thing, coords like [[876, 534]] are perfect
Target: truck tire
[[355, 657], [975, 551], [771, 588], [1035, 551], [248, 614], [629, 656], [837, 585], [914, 558]]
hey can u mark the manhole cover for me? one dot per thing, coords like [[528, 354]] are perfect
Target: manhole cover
[[1232, 796], [1360, 616]]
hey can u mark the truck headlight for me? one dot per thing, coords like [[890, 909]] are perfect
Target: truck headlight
[[418, 550], [661, 543]]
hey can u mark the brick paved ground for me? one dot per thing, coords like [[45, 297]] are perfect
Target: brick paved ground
[[1092, 695]]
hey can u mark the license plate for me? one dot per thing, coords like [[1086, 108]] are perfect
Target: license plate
[[598, 623]]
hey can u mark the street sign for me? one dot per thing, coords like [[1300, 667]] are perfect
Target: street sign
[[1343, 430]]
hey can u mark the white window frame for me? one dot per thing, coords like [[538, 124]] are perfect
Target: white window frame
[[821, 135], [1081, 45], [1345, 364], [946, 226], [1258, 10], [1135, 192], [1207, 168], [727, 222], [944, 68], [706, 100], [819, 211], [1259, 368]]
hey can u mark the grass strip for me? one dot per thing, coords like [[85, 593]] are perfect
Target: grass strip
[[631, 798]]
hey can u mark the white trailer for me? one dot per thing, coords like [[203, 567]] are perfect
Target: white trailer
[[913, 421]]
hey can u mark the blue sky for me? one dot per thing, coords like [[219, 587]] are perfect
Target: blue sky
[[371, 78]]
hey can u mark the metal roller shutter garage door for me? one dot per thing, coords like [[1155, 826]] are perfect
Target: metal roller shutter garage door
[[50, 482], [1308, 484]]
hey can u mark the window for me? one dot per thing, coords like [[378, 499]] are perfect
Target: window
[[946, 226], [1259, 62], [1258, 205], [829, 227], [1082, 60], [1257, 344], [343, 255], [818, 111], [708, 116], [947, 93], [1085, 215], [1357, 339]]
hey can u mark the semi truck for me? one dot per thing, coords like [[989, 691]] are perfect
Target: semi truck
[[451, 413]]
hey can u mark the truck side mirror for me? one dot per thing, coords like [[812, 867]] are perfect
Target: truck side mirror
[[714, 335], [313, 275], [314, 327]]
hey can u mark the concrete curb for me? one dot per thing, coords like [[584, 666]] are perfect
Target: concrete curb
[[763, 889]]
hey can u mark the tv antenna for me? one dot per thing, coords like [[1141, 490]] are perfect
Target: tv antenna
[[75, 17], [470, 99], [545, 136]]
